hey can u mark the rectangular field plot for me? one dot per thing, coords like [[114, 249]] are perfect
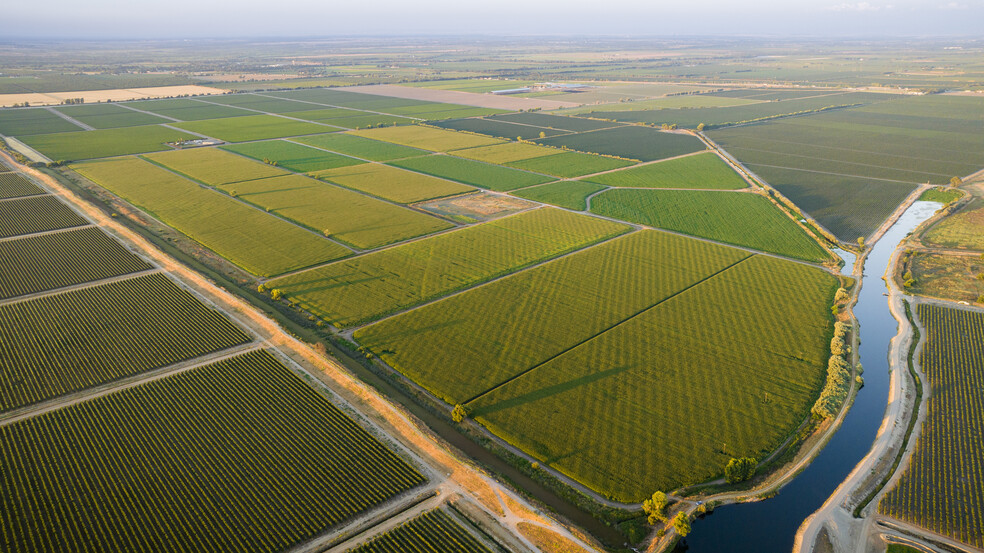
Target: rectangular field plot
[[262, 103], [738, 218], [253, 127], [293, 156], [454, 347], [962, 229], [559, 122], [24, 122], [81, 145], [501, 129], [13, 185], [942, 489], [350, 119], [36, 214], [38, 263], [569, 194], [351, 217], [213, 166], [370, 286], [492, 177], [642, 143], [109, 116], [431, 531], [701, 171], [362, 148], [437, 140], [698, 356], [187, 110], [570, 164], [506, 152], [115, 330], [238, 456], [392, 183], [258, 242]]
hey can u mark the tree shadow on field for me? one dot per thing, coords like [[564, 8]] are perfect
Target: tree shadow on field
[[553, 390]]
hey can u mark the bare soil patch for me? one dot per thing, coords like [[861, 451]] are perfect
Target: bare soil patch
[[476, 207]]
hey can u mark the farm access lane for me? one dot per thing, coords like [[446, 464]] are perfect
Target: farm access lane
[[373, 409], [71, 120], [887, 526]]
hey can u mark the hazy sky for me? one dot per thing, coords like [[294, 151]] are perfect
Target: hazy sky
[[284, 18]]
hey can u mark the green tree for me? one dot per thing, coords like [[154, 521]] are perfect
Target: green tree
[[861, 241], [276, 294], [681, 524], [655, 508], [739, 470], [459, 413], [956, 181], [261, 288], [700, 127], [543, 134]]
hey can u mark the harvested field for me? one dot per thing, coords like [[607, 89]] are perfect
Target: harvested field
[[38, 263], [114, 95], [704, 170], [372, 285], [116, 330], [492, 177], [472, 208], [36, 214], [392, 183]]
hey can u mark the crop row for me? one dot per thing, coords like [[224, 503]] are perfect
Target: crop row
[[13, 185], [36, 214], [943, 487], [431, 532], [57, 344], [237, 456]]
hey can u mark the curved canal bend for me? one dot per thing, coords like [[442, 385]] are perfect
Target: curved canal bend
[[771, 525]]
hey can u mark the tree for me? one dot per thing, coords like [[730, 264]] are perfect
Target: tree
[[681, 524], [739, 470], [543, 134], [700, 127], [655, 508], [261, 288], [841, 295], [861, 241], [459, 413], [276, 294], [956, 181]]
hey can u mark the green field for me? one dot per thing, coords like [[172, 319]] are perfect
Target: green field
[[213, 166], [427, 138], [115, 330], [81, 145], [36, 214], [477, 173], [704, 170], [238, 456], [960, 230], [569, 194], [698, 356], [261, 103], [38, 263], [23, 122], [642, 143], [559, 122], [350, 118], [500, 129], [109, 116], [942, 489], [942, 195], [13, 185], [293, 156], [369, 286], [357, 219], [431, 532], [253, 127], [506, 152], [187, 110], [742, 219], [258, 242], [569, 164], [362, 148], [392, 183]]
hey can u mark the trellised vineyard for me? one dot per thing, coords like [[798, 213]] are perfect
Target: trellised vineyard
[[431, 532], [61, 343], [237, 456], [943, 487], [13, 185], [38, 263], [36, 214]]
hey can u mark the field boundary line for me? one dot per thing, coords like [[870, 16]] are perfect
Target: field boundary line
[[261, 112], [43, 232], [121, 384], [42, 193], [377, 528], [268, 95], [350, 331], [603, 331], [173, 119], [81, 286], [784, 154], [70, 119], [910, 183]]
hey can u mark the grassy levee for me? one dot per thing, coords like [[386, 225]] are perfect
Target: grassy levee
[[492, 177], [464, 345], [36, 214], [38, 263], [569, 194], [734, 362], [258, 242], [369, 286], [252, 127], [213, 166], [342, 214], [364, 148], [704, 170], [392, 183], [747, 220], [116, 330], [238, 456], [942, 489], [109, 116], [634, 142], [105, 142], [293, 156]]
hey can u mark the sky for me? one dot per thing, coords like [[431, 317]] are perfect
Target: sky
[[109, 19]]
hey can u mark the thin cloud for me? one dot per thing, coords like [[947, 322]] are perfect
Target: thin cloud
[[858, 7]]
